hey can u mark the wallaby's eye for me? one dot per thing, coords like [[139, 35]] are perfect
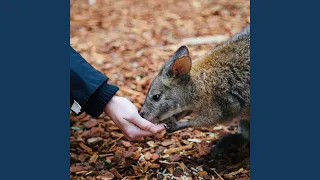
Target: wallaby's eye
[[156, 97]]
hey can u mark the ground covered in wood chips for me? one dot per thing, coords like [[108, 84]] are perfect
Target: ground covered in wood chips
[[129, 41]]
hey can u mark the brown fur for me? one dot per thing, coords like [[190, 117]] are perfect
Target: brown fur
[[219, 72], [216, 89]]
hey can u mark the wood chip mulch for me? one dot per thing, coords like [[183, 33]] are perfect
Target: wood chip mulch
[[129, 41]]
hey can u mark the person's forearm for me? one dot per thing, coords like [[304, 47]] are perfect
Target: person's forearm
[[100, 99], [88, 87]]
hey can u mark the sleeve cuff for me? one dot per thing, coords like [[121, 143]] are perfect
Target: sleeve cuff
[[100, 98]]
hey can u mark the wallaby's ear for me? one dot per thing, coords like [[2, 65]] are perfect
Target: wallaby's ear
[[182, 51], [182, 63], [181, 66]]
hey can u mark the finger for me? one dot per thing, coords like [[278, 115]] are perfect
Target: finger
[[132, 131], [144, 124], [141, 133], [160, 127]]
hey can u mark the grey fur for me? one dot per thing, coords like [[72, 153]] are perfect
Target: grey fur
[[217, 89]]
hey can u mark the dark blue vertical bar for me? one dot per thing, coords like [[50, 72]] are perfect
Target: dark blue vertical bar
[[34, 90], [285, 89]]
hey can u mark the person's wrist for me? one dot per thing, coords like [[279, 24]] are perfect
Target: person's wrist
[[110, 104]]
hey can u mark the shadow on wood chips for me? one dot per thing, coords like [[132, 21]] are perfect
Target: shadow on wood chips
[[128, 41]]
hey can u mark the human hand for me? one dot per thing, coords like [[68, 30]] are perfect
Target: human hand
[[125, 115]]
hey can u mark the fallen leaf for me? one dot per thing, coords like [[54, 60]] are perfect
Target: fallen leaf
[[185, 135], [76, 168], [155, 156], [196, 133], [167, 142], [85, 147], [177, 172], [115, 173], [119, 158], [91, 123], [228, 176], [151, 143], [174, 158], [154, 166], [116, 134], [126, 143], [105, 176], [99, 165], [94, 158], [94, 140], [202, 173], [147, 155], [136, 155]]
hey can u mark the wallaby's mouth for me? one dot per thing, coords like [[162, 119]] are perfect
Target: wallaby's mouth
[[167, 116], [162, 118]]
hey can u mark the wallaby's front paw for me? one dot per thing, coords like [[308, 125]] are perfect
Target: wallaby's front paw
[[226, 143], [173, 126], [170, 127]]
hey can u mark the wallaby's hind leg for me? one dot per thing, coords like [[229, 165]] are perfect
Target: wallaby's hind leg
[[244, 128], [227, 142], [235, 140]]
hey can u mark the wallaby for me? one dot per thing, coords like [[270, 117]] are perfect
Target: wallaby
[[216, 87]]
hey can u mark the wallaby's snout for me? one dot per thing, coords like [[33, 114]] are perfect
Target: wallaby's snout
[[150, 112], [146, 115], [146, 112]]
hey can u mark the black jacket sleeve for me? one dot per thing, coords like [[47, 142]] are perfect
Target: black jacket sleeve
[[88, 86]]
